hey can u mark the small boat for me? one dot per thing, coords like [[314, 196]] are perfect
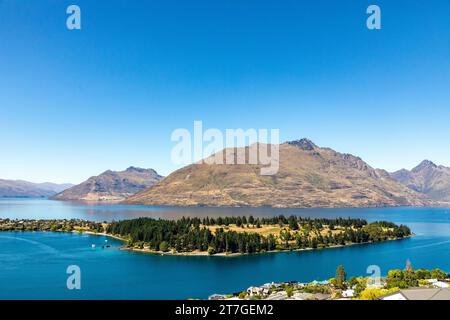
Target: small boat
[[92, 245]]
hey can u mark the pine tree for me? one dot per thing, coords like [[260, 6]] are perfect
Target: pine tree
[[340, 276]]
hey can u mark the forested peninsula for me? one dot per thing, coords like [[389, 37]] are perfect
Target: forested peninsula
[[245, 235], [225, 235]]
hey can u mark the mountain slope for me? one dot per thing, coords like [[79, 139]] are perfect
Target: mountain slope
[[111, 185], [427, 178], [309, 176], [20, 188]]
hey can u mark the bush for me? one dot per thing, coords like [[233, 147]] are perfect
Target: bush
[[424, 283], [438, 274], [289, 291], [242, 295], [164, 246], [211, 250], [374, 293], [423, 274]]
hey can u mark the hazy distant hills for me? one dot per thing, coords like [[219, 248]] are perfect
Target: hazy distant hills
[[20, 188], [111, 185], [427, 178], [309, 176]]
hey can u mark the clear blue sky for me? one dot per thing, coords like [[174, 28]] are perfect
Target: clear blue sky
[[75, 103]]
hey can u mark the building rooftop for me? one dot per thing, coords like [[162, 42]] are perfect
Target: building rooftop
[[419, 294]]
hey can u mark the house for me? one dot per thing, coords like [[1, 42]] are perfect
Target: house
[[375, 283], [393, 296], [217, 297], [270, 285], [438, 284], [322, 283], [419, 294], [257, 291], [349, 293]]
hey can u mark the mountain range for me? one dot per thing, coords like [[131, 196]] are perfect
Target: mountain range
[[427, 178], [308, 176], [111, 185], [20, 188]]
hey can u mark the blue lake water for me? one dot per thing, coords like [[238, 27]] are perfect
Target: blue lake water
[[33, 264]]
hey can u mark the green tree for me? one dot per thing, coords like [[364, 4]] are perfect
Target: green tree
[[353, 281], [361, 285], [293, 224], [340, 276], [285, 236], [438, 274], [423, 274]]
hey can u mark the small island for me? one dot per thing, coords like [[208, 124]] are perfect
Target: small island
[[225, 236]]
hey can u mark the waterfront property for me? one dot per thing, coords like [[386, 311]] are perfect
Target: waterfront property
[[405, 284]]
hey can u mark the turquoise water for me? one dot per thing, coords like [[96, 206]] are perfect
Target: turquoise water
[[33, 264]]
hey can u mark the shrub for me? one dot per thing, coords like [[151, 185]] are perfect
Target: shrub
[[211, 250], [438, 274], [164, 246], [242, 295], [289, 291], [375, 293]]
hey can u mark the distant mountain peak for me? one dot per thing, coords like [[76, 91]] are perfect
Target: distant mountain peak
[[112, 185], [425, 164], [304, 144], [136, 169], [427, 178], [21, 188], [308, 176]]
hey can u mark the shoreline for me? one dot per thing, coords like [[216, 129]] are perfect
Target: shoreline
[[92, 230], [441, 205], [435, 205], [236, 254]]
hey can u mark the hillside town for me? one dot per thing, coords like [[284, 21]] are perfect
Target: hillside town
[[407, 284]]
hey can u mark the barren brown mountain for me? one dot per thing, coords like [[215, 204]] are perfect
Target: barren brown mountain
[[427, 178], [309, 176], [111, 185]]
